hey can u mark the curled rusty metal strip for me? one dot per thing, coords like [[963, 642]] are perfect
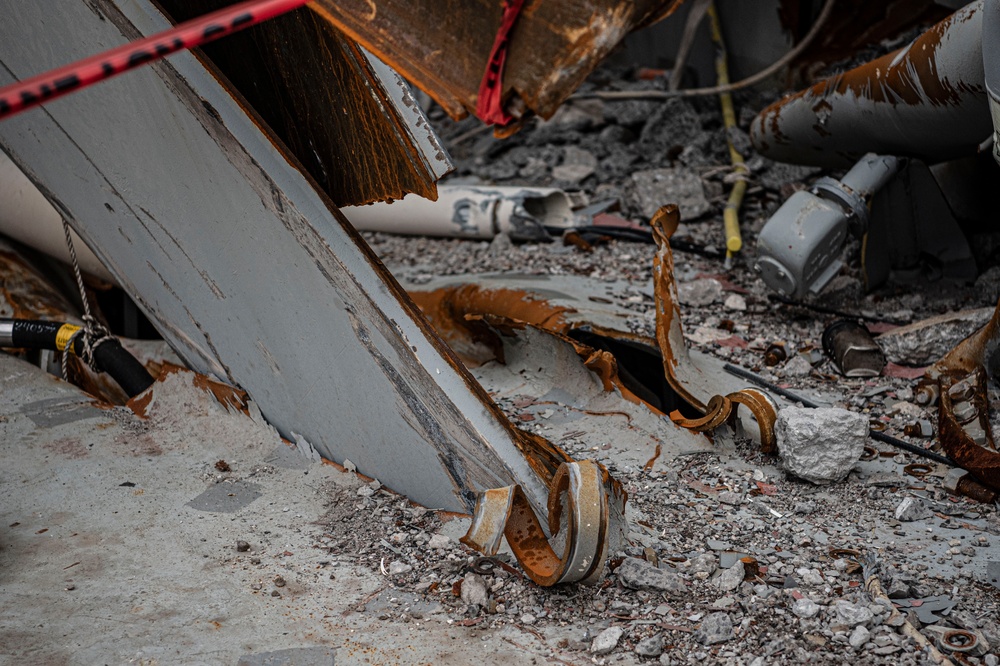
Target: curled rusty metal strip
[[764, 411], [586, 519], [722, 408], [718, 411]]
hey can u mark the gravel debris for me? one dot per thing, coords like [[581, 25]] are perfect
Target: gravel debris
[[797, 602]]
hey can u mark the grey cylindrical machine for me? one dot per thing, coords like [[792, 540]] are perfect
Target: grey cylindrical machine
[[797, 249], [928, 100]]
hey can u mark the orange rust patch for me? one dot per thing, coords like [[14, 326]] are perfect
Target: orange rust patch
[[447, 310]]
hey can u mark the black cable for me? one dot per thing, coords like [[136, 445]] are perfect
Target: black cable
[[109, 355]]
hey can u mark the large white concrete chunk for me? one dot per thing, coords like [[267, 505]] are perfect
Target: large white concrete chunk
[[820, 445]]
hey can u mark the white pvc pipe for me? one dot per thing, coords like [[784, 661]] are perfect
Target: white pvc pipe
[[27, 217], [470, 212]]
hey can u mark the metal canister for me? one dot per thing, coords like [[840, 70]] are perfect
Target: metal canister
[[853, 350]]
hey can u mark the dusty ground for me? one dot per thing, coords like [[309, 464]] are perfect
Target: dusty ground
[[700, 510]]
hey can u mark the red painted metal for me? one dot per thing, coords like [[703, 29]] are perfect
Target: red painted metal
[[56, 83]]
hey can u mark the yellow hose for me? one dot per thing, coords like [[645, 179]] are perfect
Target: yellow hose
[[731, 215]]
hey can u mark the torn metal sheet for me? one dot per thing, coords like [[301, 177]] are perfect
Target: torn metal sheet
[[349, 120], [574, 391], [462, 211], [927, 100], [577, 308], [246, 269], [444, 46]]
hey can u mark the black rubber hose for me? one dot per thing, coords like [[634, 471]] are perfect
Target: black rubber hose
[[109, 355]]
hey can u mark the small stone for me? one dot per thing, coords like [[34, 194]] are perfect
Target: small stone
[[474, 590], [810, 576], [528, 618], [805, 608], [279, 581], [797, 366], [859, 637], [705, 563], [911, 509], [991, 660], [731, 498], [397, 567], [731, 578], [820, 445], [699, 293], [242, 546], [735, 302], [640, 575], [650, 647], [804, 508], [850, 615], [254, 560], [438, 542], [716, 628], [657, 187], [606, 641]]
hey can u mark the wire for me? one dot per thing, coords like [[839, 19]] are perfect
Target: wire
[[45, 87], [762, 75]]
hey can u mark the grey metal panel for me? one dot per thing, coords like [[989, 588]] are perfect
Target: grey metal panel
[[246, 270], [434, 154]]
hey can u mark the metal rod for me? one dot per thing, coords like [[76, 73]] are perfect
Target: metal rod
[[874, 434], [39, 89]]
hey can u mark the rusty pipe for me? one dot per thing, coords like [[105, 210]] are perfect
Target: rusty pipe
[[927, 100]]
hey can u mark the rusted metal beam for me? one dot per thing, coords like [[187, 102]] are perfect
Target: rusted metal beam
[[344, 115], [246, 268], [443, 46]]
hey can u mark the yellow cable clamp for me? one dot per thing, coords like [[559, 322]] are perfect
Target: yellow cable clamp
[[64, 335]]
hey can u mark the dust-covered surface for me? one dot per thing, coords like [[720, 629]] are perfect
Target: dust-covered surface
[[796, 600], [197, 536]]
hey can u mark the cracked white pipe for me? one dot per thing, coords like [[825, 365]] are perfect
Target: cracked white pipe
[[523, 213]]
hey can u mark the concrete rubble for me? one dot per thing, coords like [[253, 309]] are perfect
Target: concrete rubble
[[820, 445], [193, 533]]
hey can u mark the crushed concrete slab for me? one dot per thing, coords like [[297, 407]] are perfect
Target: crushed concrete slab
[[226, 497], [317, 656], [820, 445]]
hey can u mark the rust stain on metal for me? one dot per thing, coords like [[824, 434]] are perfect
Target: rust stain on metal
[[981, 459], [906, 76], [301, 78], [27, 293], [585, 512], [722, 409], [449, 309], [669, 335], [443, 46]]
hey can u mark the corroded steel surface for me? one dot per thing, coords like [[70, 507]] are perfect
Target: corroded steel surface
[[319, 94], [585, 517], [443, 46], [927, 100]]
